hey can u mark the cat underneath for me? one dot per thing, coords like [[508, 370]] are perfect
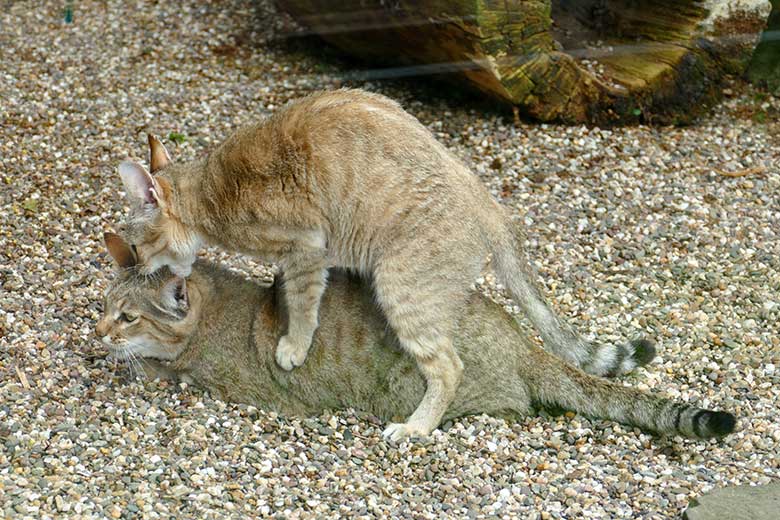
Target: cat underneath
[[218, 331]]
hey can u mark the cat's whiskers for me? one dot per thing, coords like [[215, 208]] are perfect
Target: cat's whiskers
[[131, 358], [139, 369], [123, 354]]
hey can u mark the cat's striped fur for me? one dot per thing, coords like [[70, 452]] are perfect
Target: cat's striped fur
[[219, 331], [349, 179]]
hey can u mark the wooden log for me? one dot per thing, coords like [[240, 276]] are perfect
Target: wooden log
[[576, 61], [764, 68]]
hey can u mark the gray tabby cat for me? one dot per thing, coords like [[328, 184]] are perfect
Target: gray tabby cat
[[219, 331], [349, 179]]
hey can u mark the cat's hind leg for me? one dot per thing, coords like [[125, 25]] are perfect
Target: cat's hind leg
[[422, 310], [442, 369]]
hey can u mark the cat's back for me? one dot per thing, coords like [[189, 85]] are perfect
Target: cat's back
[[334, 104], [359, 140], [336, 118], [328, 133], [316, 129], [344, 156]]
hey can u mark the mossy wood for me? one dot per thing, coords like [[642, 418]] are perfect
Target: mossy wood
[[765, 66], [590, 61]]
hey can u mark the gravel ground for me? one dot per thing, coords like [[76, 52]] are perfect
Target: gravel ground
[[635, 231]]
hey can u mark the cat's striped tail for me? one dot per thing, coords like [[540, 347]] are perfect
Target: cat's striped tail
[[568, 387], [514, 271]]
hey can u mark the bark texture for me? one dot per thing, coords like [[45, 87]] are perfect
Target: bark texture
[[583, 61]]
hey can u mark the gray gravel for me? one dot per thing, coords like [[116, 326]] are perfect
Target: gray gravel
[[635, 231]]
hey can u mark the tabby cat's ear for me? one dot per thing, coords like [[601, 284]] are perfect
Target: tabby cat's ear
[[120, 250], [158, 155], [174, 294], [138, 183]]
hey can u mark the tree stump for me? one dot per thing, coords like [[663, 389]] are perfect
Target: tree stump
[[575, 61]]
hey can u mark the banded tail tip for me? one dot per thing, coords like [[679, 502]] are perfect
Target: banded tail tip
[[636, 353], [708, 423], [722, 423], [644, 351]]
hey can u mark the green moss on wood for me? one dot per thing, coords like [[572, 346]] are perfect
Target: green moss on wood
[[662, 67], [764, 68]]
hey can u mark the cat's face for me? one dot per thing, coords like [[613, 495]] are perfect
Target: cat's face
[[145, 316], [158, 236]]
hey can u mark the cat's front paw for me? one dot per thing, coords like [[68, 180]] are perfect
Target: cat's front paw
[[397, 432], [290, 353]]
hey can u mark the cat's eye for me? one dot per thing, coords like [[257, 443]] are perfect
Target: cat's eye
[[127, 318]]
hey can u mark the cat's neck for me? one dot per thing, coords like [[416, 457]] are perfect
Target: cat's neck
[[239, 327], [230, 308], [188, 203]]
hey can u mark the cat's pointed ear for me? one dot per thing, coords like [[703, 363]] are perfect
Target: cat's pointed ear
[[120, 250], [158, 155], [174, 294], [138, 183]]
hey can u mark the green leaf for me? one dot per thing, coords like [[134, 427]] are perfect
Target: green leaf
[[759, 117], [30, 205], [177, 137], [68, 15], [637, 112]]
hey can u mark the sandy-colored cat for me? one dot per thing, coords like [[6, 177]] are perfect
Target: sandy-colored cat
[[349, 179], [219, 331]]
